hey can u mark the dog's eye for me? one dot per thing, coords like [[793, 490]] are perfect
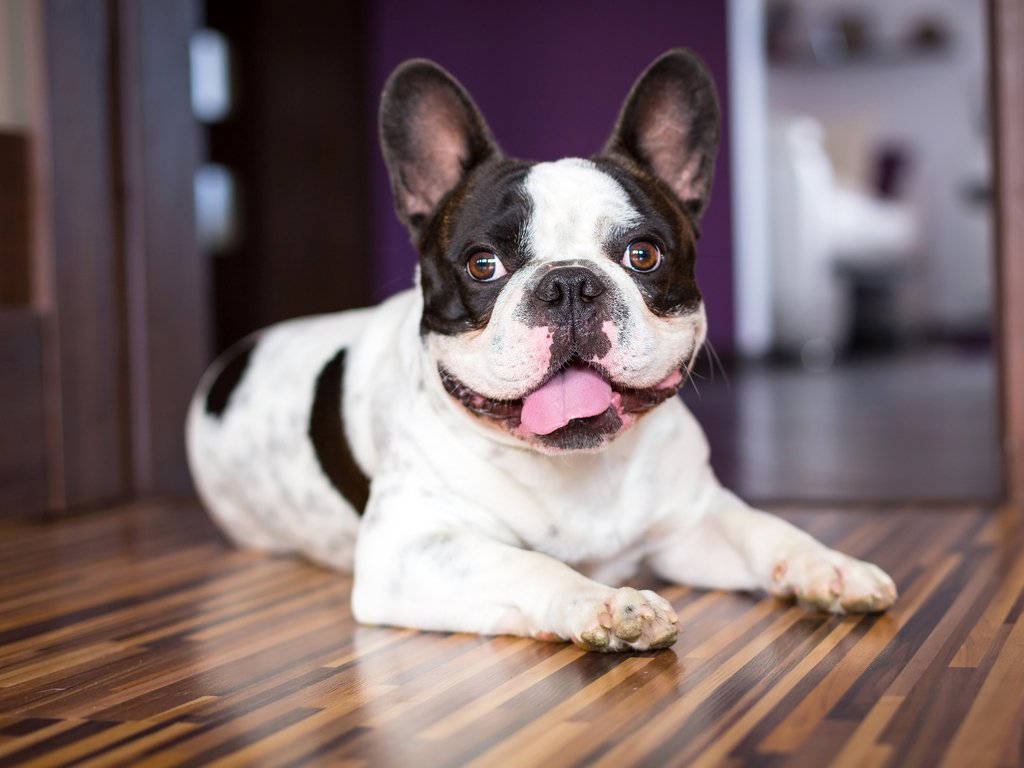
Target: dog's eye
[[484, 266], [641, 256]]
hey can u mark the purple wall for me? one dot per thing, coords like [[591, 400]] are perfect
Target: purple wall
[[549, 78]]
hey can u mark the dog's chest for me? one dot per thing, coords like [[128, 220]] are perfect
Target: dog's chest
[[595, 529], [579, 511]]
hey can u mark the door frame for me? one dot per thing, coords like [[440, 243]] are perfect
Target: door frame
[[1006, 46], [120, 283]]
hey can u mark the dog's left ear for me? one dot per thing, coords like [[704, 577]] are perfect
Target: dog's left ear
[[432, 135], [669, 126]]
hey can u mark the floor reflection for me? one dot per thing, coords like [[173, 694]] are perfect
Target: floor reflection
[[915, 427]]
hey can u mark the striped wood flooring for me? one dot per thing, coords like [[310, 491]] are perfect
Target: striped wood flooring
[[135, 636]]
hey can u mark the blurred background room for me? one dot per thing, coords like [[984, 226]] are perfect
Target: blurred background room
[[175, 174], [863, 258]]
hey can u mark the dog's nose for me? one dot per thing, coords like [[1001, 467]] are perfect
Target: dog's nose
[[566, 288]]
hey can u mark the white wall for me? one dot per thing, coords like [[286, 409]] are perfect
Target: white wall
[[937, 107], [748, 131]]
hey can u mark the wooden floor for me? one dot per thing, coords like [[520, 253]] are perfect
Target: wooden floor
[[137, 637], [919, 425]]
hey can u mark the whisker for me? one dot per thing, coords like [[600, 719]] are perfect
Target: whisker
[[717, 361], [696, 389]]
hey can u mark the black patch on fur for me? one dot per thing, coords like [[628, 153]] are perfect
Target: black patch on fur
[[487, 211], [327, 433], [453, 190], [234, 363], [672, 288]]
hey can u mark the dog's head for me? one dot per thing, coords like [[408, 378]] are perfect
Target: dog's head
[[559, 298]]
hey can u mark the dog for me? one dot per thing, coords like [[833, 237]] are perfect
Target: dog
[[496, 450]]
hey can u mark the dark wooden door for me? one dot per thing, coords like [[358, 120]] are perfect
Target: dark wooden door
[[111, 332], [295, 141]]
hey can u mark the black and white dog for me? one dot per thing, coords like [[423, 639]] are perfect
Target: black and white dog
[[497, 449]]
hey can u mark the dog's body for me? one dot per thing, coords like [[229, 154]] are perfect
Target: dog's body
[[493, 447]]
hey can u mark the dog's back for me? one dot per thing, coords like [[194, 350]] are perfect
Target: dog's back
[[281, 446]]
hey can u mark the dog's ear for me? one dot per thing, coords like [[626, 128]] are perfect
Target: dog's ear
[[432, 135], [669, 126]]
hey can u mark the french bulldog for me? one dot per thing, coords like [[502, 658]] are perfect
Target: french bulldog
[[499, 448]]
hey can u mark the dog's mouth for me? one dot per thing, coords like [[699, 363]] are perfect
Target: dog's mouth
[[575, 402]]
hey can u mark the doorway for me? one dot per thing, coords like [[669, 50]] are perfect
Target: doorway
[[865, 251]]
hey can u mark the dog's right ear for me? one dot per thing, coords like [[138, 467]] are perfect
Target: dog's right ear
[[432, 135]]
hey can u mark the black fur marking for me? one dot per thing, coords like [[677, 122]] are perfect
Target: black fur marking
[[488, 211], [327, 433], [235, 361], [672, 288]]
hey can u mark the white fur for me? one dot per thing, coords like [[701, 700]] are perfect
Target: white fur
[[575, 209], [468, 529]]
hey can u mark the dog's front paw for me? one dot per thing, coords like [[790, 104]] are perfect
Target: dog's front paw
[[831, 581], [623, 620]]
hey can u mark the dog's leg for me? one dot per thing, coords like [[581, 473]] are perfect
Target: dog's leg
[[735, 547], [464, 581]]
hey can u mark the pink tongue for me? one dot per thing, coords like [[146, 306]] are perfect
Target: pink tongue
[[576, 393]]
